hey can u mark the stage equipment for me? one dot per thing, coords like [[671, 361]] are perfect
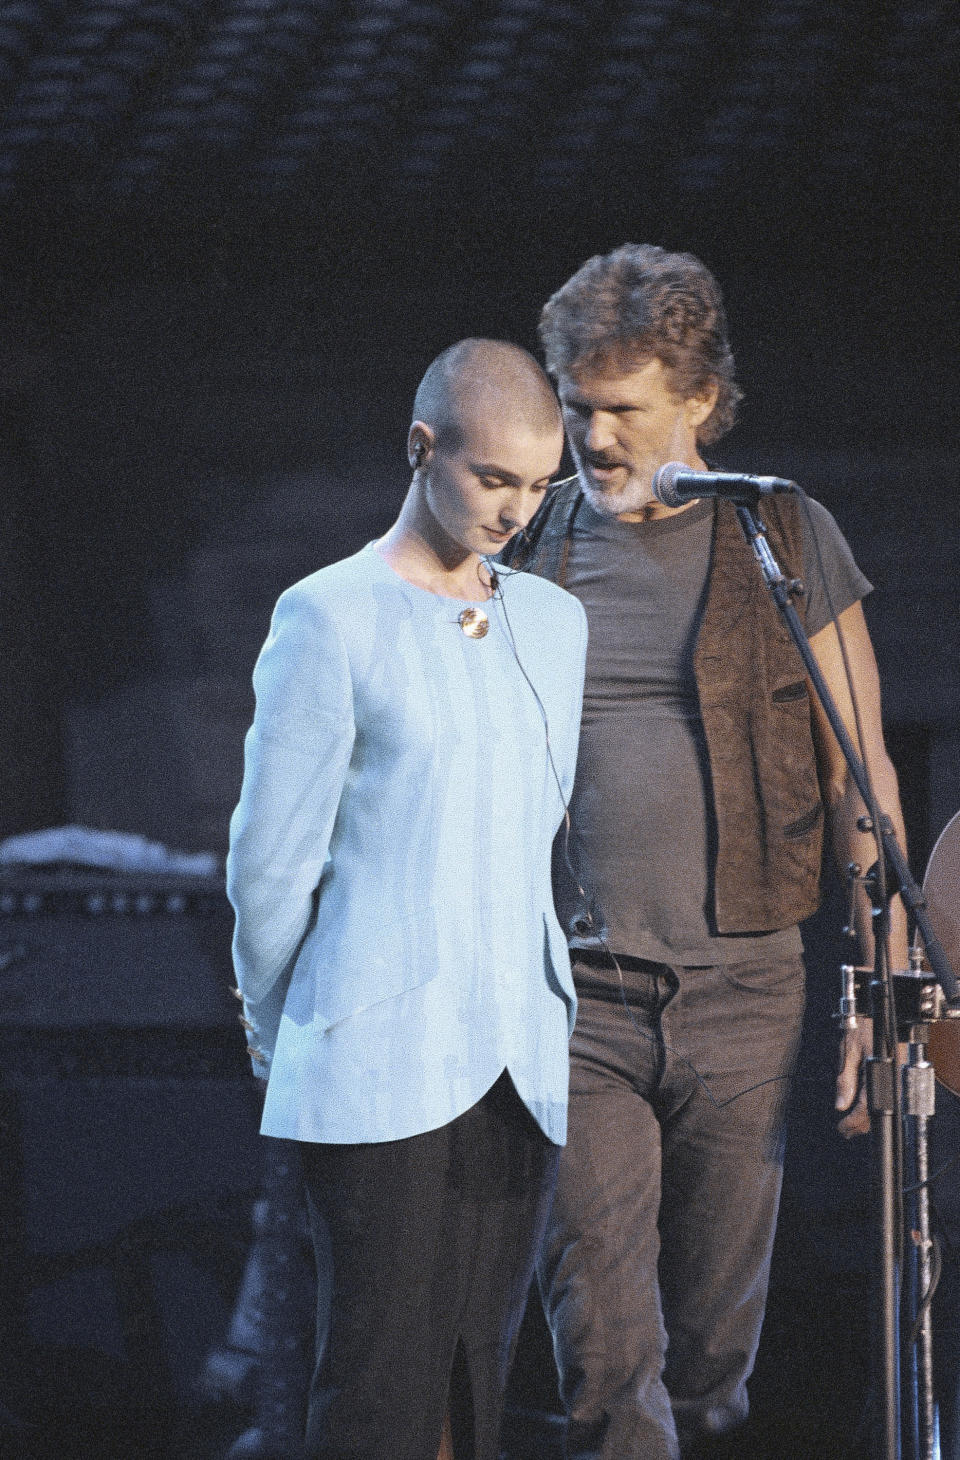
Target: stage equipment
[[676, 484], [890, 874], [941, 885], [128, 1134], [931, 1032]]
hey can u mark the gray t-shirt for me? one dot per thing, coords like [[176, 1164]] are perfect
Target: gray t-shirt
[[642, 845]]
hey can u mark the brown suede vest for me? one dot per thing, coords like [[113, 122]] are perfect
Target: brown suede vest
[[756, 715]]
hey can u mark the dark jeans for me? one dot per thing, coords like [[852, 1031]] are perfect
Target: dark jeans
[[655, 1265], [432, 1242]]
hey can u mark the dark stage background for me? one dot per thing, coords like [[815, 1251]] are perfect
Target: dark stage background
[[233, 236]]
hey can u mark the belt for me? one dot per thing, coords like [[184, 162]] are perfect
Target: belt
[[613, 992], [600, 958]]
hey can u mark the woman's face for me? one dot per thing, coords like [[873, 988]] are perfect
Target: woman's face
[[483, 488]]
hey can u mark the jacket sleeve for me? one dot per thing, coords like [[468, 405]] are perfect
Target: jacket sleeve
[[296, 757]]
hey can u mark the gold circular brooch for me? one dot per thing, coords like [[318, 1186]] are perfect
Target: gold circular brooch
[[473, 622]]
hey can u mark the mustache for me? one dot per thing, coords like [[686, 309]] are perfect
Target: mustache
[[601, 459]]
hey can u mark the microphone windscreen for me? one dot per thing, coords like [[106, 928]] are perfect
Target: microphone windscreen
[[664, 484]]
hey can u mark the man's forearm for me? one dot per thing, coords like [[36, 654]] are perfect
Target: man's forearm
[[850, 844]]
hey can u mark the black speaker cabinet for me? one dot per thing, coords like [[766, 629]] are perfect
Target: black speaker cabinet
[[130, 1156]]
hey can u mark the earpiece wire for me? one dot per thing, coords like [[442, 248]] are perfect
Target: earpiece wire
[[496, 586]]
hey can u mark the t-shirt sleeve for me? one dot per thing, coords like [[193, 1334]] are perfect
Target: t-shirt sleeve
[[833, 580]]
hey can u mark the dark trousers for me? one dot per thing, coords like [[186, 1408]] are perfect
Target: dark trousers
[[432, 1241], [655, 1264]]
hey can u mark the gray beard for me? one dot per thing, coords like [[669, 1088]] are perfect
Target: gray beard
[[631, 498]]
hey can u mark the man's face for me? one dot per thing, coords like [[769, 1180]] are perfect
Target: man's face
[[621, 428], [481, 490]]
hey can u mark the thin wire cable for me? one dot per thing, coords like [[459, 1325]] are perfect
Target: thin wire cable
[[871, 807], [496, 585], [933, 1176], [936, 1272]]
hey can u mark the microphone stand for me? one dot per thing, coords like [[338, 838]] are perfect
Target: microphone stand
[[919, 1107], [881, 1078]]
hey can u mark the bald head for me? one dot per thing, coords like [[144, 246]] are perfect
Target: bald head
[[481, 382]]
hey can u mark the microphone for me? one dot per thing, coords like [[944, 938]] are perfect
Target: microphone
[[676, 484], [494, 582]]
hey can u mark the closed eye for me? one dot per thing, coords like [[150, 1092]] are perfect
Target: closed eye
[[494, 483]]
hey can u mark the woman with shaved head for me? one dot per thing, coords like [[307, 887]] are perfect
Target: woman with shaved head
[[406, 983]]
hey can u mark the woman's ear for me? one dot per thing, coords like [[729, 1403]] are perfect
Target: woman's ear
[[419, 444]]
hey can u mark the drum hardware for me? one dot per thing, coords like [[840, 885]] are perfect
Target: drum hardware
[[918, 998], [939, 1037], [892, 875], [929, 1026]]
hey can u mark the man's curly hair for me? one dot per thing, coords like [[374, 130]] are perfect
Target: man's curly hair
[[638, 303]]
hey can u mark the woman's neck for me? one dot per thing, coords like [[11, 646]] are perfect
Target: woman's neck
[[412, 557]]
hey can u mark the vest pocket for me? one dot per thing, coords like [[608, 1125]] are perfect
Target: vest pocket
[[788, 692], [804, 823]]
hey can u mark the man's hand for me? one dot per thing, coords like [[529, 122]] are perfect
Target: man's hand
[[855, 1046]]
